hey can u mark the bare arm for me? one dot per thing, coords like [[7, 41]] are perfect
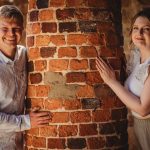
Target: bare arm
[[140, 105]]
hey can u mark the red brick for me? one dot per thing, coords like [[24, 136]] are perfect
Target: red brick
[[58, 40], [103, 27], [39, 142], [98, 3], [85, 91], [49, 27], [34, 53], [28, 140], [115, 63], [42, 40], [65, 14], [93, 64], [31, 91], [33, 15], [88, 51], [46, 15], [76, 39], [76, 64], [30, 41], [58, 64], [88, 129], [75, 77], [93, 78], [36, 28], [101, 115], [40, 65], [32, 4], [60, 117], [58, 3], [83, 14], [35, 78], [37, 102], [67, 130], [72, 104], [42, 90], [56, 143], [94, 39], [67, 52], [107, 52], [33, 131], [48, 131], [96, 142], [46, 52], [53, 104], [80, 116], [76, 3]]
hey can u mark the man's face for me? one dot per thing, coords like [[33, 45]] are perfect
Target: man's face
[[10, 33]]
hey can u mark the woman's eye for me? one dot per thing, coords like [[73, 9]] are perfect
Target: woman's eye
[[135, 28], [146, 29]]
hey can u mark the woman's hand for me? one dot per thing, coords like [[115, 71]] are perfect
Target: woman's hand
[[39, 118], [106, 72]]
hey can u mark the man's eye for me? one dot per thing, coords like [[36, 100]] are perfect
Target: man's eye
[[4, 29], [17, 29]]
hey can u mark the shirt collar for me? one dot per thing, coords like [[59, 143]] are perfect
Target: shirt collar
[[5, 59]]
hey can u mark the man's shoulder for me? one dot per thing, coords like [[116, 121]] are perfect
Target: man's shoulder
[[21, 47]]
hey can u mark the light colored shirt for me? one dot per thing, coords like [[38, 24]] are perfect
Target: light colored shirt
[[13, 83], [135, 81]]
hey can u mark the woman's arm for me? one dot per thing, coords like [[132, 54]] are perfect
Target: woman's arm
[[141, 106]]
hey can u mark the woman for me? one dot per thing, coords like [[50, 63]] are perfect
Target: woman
[[136, 93]]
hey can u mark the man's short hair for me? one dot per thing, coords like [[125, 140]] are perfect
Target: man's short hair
[[11, 12]]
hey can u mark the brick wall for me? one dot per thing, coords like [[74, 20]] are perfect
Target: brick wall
[[64, 37]]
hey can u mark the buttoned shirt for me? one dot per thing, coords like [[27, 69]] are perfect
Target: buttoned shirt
[[13, 83]]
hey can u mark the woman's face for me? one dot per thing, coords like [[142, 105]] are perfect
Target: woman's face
[[141, 33]]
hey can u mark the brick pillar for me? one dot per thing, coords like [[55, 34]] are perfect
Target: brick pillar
[[64, 37]]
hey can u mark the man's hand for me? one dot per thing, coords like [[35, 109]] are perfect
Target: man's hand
[[39, 118]]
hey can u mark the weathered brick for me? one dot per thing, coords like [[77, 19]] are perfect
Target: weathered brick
[[101, 115], [107, 52], [58, 40], [53, 104], [49, 27], [67, 130], [75, 77], [39, 142], [46, 15], [67, 27], [28, 140], [30, 41], [76, 143], [67, 52], [80, 116], [33, 16], [72, 104], [58, 3], [34, 53], [85, 91], [42, 40], [93, 78], [56, 143], [83, 14], [76, 64], [94, 39], [33, 131], [88, 51], [60, 117], [76, 39], [46, 52], [93, 64], [76, 3], [58, 64], [118, 114], [96, 142], [42, 90], [31, 91], [87, 26], [48, 131], [35, 78], [87, 129], [65, 14], [40, 65], [115, 63], [42, 4]]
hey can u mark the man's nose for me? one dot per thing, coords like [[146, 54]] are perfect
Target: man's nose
[[11, 32]]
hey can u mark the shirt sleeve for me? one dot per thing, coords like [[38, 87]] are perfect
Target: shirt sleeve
[[13, 123]]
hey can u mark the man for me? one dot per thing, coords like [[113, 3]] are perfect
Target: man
[[13, 82]]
